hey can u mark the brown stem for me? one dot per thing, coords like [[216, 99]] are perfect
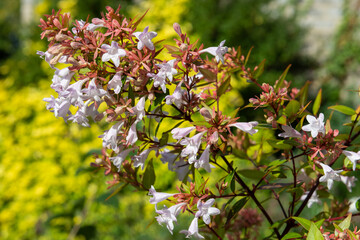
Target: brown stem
[[252, 195]]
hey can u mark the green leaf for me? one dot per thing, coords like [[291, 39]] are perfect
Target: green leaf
[[351, 234], [343, 109], [319, 223], [248, 56], [276, 162], [279, 144], [164, 139], [304, 93], [260, 69], [345, 224], [304, 222], [198, 178], [230, 180], [208, 74], [117, 191], [159, 97], [149, 175], [292, 108], [224, 87], [131, 94], [292, 235], [337, 228], [314, 233], [280, 82], [236, 208], [251, 173], [317, 103]]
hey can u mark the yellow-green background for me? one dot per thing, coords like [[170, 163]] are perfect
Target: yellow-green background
[[46, 190]]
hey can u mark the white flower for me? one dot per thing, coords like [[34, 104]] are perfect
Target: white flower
[[158, 196], [205, 210], [166, 71], [145, 38], [315, 125], [61, 79], [246, 127], [192, 146], [168, 215], [353, 157], [313, 199], [289, 132], [61, 108], [80, 117], [218, 52], [132, 137], [330, 175], [139, 109], [114, 52], [348, 181], [176, 97], [110, 136], [115, 83], [180, 166], [51, 101], [203, 161], [139, 160], [118, 159], [193, 230], [74, 94], [179, 133], [93, 91]]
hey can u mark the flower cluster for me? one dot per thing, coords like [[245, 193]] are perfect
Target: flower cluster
[[171, 109]]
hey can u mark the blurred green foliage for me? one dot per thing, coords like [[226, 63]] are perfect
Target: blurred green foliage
[[44, 194]]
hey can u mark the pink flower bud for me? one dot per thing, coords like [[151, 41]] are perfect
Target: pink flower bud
[[177, 28]]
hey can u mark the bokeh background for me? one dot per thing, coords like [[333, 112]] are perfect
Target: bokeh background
[[48, 191]]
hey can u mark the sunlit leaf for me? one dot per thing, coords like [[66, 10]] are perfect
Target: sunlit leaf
[[343, 109], [149, 175], [314, 233], [317, 103]]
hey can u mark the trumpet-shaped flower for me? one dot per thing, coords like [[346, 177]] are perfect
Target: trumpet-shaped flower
[[330, 175], [139, 109], [176, 97], [61, 79], [313, 199], [246, 127], [353, 157], [118, 159], [315, 125], [179, 133], [205, 210], [218, 52], [348, 181], [113, 52], [168, 215], [132, 137], [139, 160], [166, 71], [289, 132], [74, 93], [193, 230], [192, 147], [203, 161], [145, 38], [158, 196], [110, 136], [115, 83], [94, 92]]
